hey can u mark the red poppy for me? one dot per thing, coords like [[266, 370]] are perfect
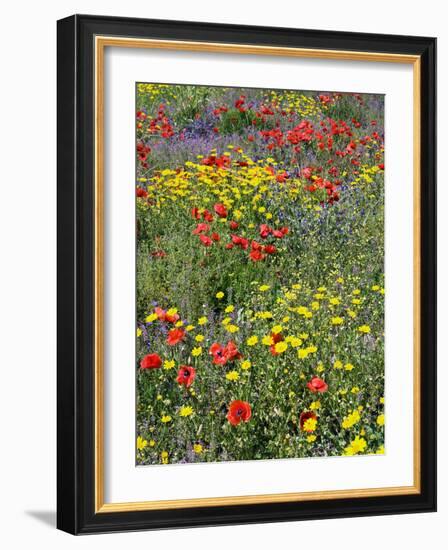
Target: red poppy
[[143, 151], [316, 384], [162, 315], [186, 375], [233, 225], [281, 177], [220, 209], [278, 234], [201, 228], [265, 231], [216, 237], [240, 102], [256, 256], [151, 361], [240, 241], [256, 246], [275, 339], [217, 350], [270, 249], [239, 411], [141, 193], [307, 172], [158, 253], [208, 216], [306, 415], [195, 213], [175, 335], [223, 354], [206, 241]]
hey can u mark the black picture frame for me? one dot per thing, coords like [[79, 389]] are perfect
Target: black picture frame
[[76, 273]]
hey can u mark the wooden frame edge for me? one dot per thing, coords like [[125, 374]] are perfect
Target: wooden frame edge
[[100, 507]]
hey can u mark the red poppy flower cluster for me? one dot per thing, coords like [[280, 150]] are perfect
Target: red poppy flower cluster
[[239, 411], [219, 110], [162, 315], [223, 354], [160, 124], [206, 215], [220, 162], [257, 250], [265, 231], [239, 104], [318, 182], [143, 151]]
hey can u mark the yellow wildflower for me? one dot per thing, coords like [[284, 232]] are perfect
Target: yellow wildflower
[[186, 411], [365, 329], [164, 456], [252, 340], [337, 320], [151, 317], [280, 347], [358, 445], [267, 340], [351, 419], [141, 443], [310, 425]]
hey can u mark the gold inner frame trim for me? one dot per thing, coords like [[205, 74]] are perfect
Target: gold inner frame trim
[[101, 42]]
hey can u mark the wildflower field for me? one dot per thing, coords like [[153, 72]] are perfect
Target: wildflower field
[[260, 273]]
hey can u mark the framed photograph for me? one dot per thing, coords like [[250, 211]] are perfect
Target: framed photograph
[[246, 274]]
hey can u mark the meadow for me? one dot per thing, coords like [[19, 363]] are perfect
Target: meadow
[[260, 274]]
